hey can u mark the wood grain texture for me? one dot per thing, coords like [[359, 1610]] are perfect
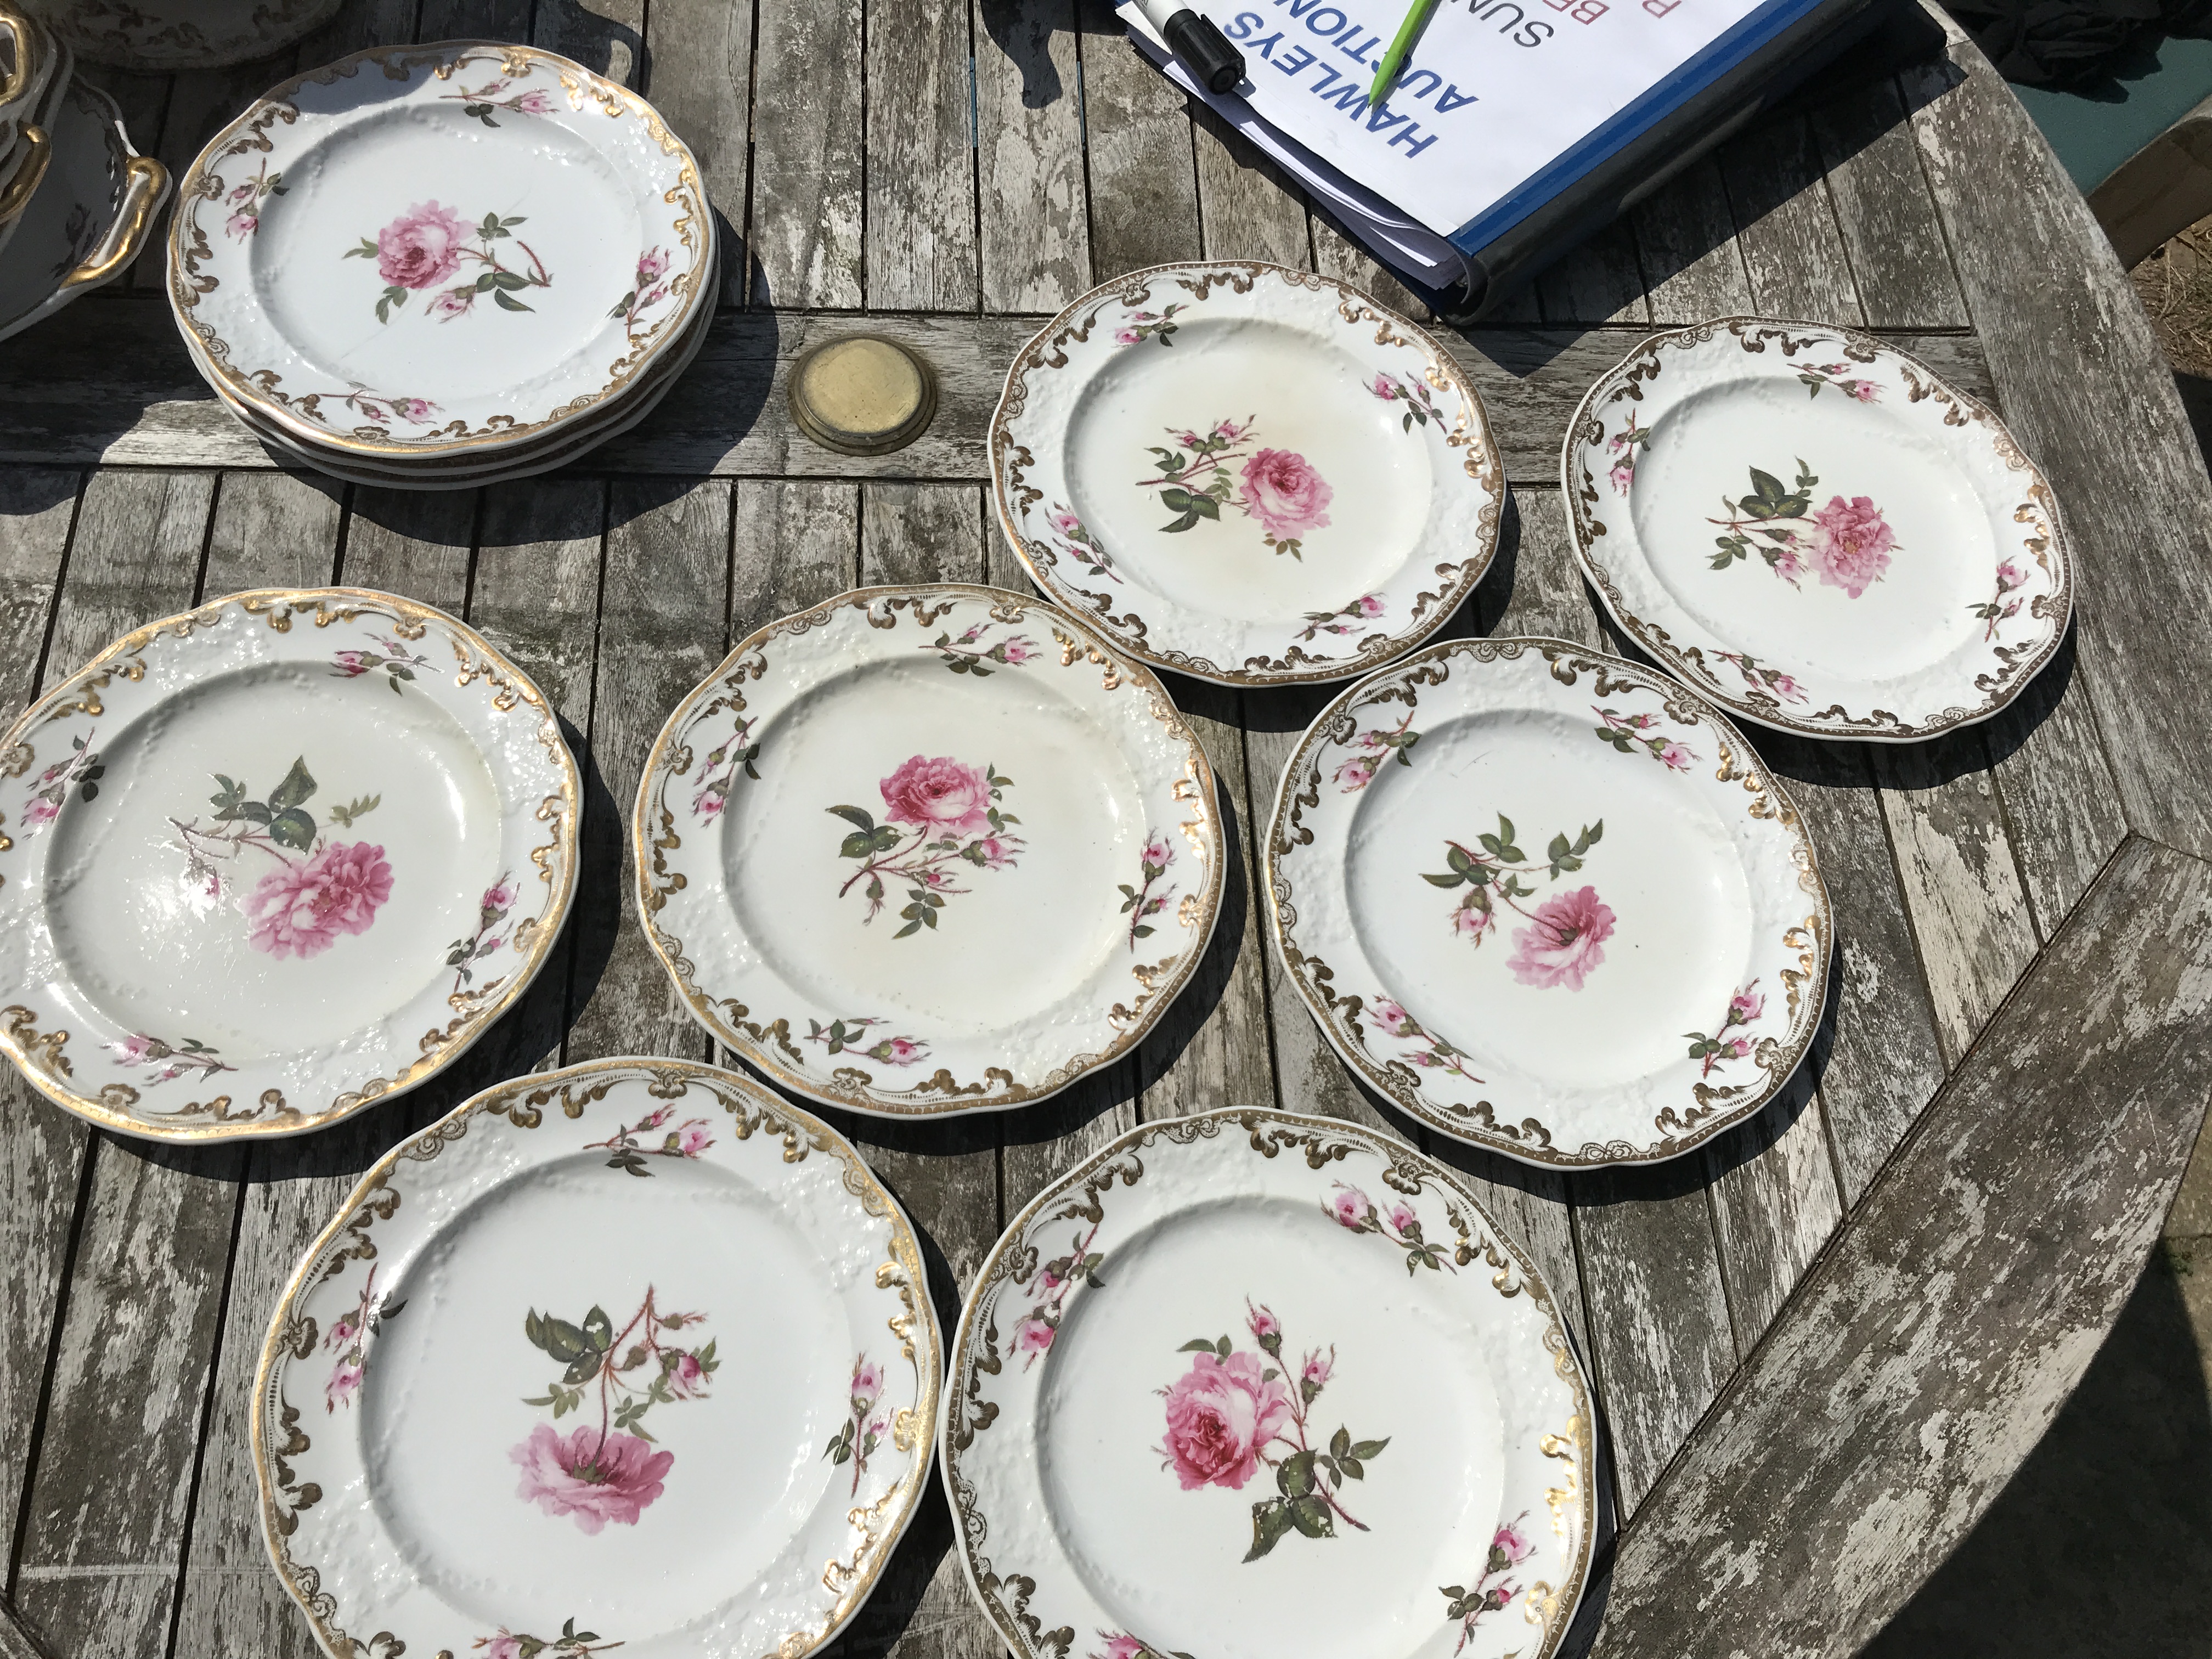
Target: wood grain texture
[[474, 19], [699, 67], [809, 125], [1962, 889], [1885, 210], [1937, 1338], [139, 1333], [359, 25], [2086, 390], [419, 543], [119, 391], [1035, 205], [1336, 254], [42, 1148], [273, 530], [662, 615], [1598, 282], [2061, 803], [1686, 235], [1144, 185], [920, 158], [1776, 1201], [1785, 226], [603, 35], [1248, 208]]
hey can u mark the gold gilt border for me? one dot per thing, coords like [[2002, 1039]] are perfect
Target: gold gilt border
[[1529, 1140], [189, 245], [279, 1437], [39, 1056], [2046, 542], [654, 833], [1010, 465], [1319, 1142]]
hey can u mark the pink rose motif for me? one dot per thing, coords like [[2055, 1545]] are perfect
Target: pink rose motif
[[1623, 475], [992, 851], [243, 192], [1187, 440], [1745, 1006], [940, 794], [896, 1051], [132, 1050], [1392, 1018], [1739, 1047], [345, 1379], [693, 1139], [1229, 431], [1263, 1322], [1402, 1218], [1157, 854], [533, 103], [652, 265], [499, 895], [1220, 1414], [687, 1378], [1366, 607], [868, 1382], [342, 1331], [1068, 525], [1317, 1370], [594, 1477], [302, 909], [421, 247], [504, 1645], [1470, 923], [1565, 942], [1787, 565], [417, 409], [242, 224], [1864, 391], [1126, 336], [1350, 1207], [1676, 757], [1285, 495], [453, 302], [41, 811], [1513, 1543], [1032, 1336], [1357, 773], [1787, 689], [1120, 1647], [1853, 545], [352, 663], [1018, 650], [1386, 388], [659, 1115]]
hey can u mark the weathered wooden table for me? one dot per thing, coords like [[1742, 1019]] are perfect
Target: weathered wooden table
[[1821, 1344]]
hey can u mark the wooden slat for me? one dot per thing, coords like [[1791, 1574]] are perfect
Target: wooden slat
[[699, 59], [1144, 185], [805, 224], [662, 613], [921, 160], [139, 1329], [1957, 1309], [474, 19], [359, 25], [1036, 205], [1791, 244], [1335, 254], [41, 1150], [1247, 208], [1599, 282], [1776, 1200], [1962, 888], [1686, 235], [273, 530], [603, 35], [117, 388], [2062, 805], [1885, 211], [419, 543], [2085, 389]]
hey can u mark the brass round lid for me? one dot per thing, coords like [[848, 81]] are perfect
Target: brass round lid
[[861, 395]]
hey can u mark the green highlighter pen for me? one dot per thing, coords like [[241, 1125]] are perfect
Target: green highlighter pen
[[1386, 72]]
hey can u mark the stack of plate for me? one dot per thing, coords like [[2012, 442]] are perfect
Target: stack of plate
[[76, 203], [440, 266]]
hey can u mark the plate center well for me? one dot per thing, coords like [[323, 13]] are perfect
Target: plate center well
[[276, 858], [1160, 1539], [1876, 564], [1027, 910], [450, 1439], [1284, 430], [416, 182], [1587, 978]]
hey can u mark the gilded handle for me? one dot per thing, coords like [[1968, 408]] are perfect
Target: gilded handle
[[18, 31], [146, 182], [25, 183]]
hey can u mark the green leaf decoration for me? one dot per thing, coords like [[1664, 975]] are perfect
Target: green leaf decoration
[[1270, 1522], [1339, 1443], [1367, 1449], [1295, 1475], [509, 302], [1197, 1345], [293, 828], [1449, 878], [1221, 1347], [1310, 1516], [858, 818], [559, 1339], [599, 1329], [299, 784]]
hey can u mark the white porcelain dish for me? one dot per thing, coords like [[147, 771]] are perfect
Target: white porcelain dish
[[36, 63], [274, 860], [1548, 903], [29, 156], [525, 461], [479, 245], [926, 850], [90, 219], [1812, 529], [630, 1355], [1249, 1385], [1252, 475]]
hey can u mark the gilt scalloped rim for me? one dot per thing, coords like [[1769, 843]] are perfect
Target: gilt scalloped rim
[[198, 243], [1385, 1197], [307, 1453], [496, 702], [1421, 596], [814, 1047], [1969, 692], [1662, 1115]]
